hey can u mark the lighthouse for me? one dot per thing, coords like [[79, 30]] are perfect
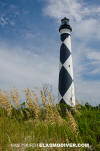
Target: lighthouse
[[66, 80]]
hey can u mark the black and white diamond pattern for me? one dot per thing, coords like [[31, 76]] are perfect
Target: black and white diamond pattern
[[65, 80], [64, 54], [64, 36], [66, 85]]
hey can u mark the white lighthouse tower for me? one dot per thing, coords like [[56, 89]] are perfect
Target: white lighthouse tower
[[66, 81]]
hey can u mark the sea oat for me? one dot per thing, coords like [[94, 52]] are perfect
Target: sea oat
[[50, 97], [4, 101], [32, 100], [14, 94], [72, 122]]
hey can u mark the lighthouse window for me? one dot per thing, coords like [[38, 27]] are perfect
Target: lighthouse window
[[71, 98], [69, 65], [65, 21]]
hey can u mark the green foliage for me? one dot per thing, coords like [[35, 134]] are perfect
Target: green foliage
[[89, 125], [21, 126]]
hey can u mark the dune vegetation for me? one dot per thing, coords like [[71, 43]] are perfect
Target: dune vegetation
[[39, 120]]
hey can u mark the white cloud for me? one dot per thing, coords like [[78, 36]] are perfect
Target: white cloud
[[24, 69], [87, 29], [74, 9], [61, 8], [94, 56], [94, 59], [3, 20], [29, 35], [88, 91]]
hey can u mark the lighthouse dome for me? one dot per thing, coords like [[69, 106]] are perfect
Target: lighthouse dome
[[65, 24]]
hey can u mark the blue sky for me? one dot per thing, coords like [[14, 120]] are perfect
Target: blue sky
[[29, 44]]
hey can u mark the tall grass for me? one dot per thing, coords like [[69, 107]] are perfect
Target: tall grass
[[37, 120]]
